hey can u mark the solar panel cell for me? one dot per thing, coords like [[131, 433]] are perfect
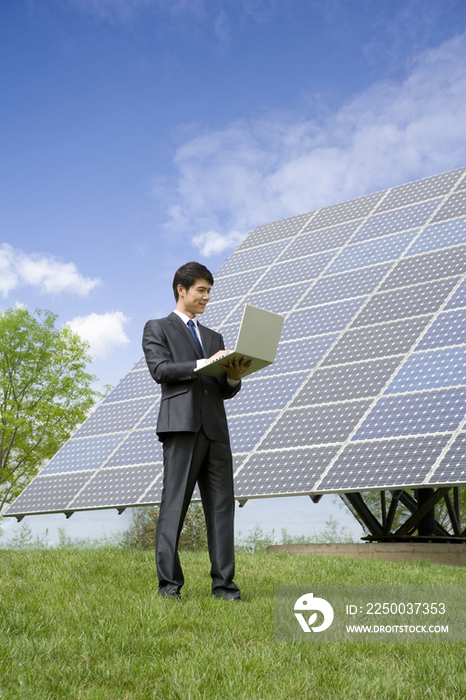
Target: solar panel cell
[[114, 487], [265, 393], [154, 493], [454, 206], [430, 370], [320, 240], [448, 329], [277, 300], [411, 414], [320, 319], [440, 236], [234, 285], [261, 256], [84, 454], [140, 364], [345, 211], [315, 425], [115, 417], [452, 468], [277, 230], [140, 447], [393, 338], [217, 313], [376, 251], [354, 381], [246, 431], [345, 285], [136, 385], [459, 297], [400, 220], [301, 269], [290, 471], [430, 266], [407, 301], [420, 189], [384, 463], [299, 354], [51, 493]]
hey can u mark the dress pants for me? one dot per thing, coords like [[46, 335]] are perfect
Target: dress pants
[[190, 457]]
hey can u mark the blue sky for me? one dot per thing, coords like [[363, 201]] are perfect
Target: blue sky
[[140, 134]]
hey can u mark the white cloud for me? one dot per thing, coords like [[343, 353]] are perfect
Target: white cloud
[[259, 170], [103, 332], [212, 242], [41, 270]]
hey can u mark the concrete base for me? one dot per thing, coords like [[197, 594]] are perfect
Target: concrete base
[[448, 553]]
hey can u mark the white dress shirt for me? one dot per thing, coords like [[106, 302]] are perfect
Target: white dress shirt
[[201, 363]]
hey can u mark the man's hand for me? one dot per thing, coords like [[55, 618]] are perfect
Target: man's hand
[[220, 353], [236, 368]]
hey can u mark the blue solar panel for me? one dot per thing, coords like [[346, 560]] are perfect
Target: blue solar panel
[[459, 297], [277, 300], [304, 353], [254, 258], [83, 454], [408, 301], [452, 468], [107, 487], [317, 241], [440, 236], [140, 447], [320, 319], [265, 393], [344, 285], [414, 414], [430, 266], [394, 221], [453, 207], [376, 251], [135, 385], [383, 464], [299, 269], [448, 329], [368, 390], [244, 430], [430, 370]]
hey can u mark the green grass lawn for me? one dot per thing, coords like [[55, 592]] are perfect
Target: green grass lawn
[[87, 623]]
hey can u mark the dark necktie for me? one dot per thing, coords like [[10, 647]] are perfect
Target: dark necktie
[[194, 334]]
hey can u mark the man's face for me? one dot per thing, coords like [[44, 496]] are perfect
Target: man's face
[[193, 301]]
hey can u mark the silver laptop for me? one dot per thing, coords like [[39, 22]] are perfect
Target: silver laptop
[[257, 340]]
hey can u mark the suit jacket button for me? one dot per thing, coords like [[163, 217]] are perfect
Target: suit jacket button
[[205, 391]]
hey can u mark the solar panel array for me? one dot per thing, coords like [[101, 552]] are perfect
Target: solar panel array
[[368, 390]]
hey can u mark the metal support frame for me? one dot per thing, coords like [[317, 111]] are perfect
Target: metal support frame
[[315, 497], [422, 518], [369, 520]]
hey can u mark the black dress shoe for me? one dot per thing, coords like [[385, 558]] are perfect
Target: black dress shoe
[[166, 594], [228, 596]]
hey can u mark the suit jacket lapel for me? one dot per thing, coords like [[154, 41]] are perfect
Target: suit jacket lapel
[[206, 339], [183, 330]]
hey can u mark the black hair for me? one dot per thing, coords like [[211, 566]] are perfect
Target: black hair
[[187, 275]]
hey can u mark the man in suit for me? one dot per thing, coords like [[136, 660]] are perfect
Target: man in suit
[[193, 428]]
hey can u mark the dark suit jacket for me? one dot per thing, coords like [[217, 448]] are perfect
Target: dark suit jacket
[[189, 400]]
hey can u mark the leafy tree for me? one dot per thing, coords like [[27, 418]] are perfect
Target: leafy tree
[[45, 393], [141, 534], [256, 540]]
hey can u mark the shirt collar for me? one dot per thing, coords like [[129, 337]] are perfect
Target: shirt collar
[[185, 318]]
